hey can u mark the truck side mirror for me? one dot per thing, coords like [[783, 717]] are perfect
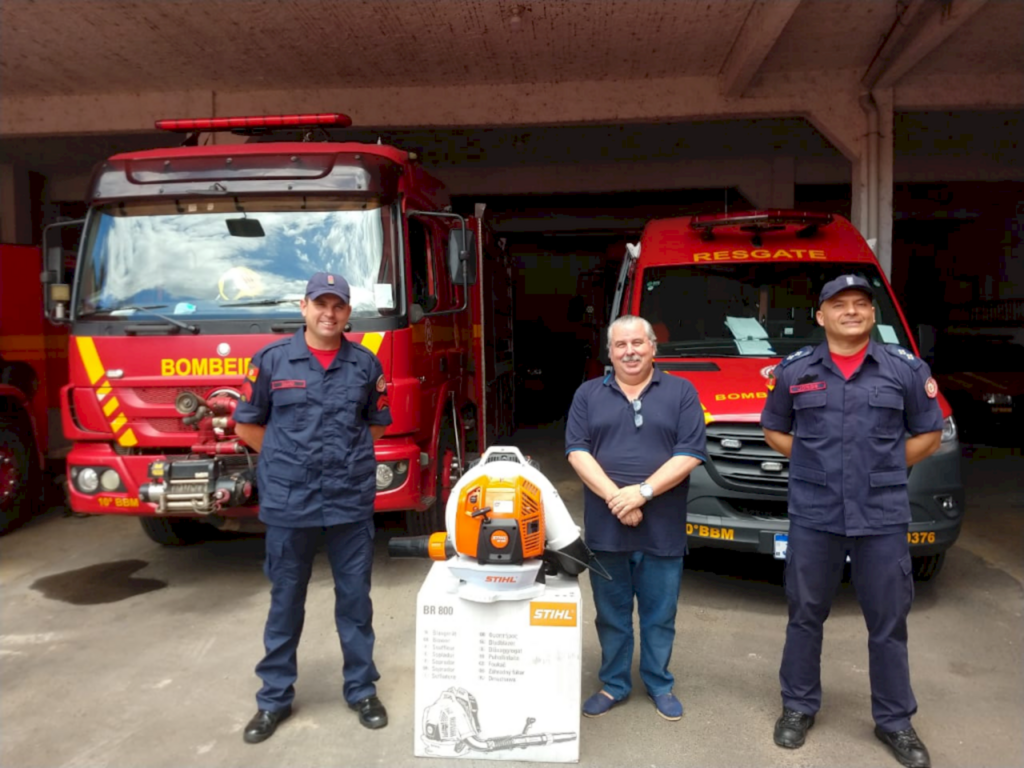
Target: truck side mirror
[[416, 314], [56, 293], [462, 257]]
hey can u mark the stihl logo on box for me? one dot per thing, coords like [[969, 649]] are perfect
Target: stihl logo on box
[[552, 615], [500, 579]]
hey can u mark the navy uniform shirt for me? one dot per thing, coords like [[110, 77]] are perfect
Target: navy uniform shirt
[[601, 422], [316, 466], [848, 471]]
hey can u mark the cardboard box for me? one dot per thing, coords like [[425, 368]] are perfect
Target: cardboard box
[[498, 681]]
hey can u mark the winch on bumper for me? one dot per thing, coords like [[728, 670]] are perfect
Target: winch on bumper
[[201, 486]]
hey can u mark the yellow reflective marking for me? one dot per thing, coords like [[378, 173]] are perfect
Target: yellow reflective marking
[[91, 358], [119, 422], [372, 341], [104, 390], [477, 331], [110, 406], [128, 439], [708, 418]]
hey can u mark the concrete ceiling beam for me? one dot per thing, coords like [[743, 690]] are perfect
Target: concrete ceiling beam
[[760, 30], [921, 28]]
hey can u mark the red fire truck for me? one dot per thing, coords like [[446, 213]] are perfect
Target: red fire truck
[[33, 366], [728, 296], [195, 257]]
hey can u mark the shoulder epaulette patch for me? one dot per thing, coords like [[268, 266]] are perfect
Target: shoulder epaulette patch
[[802, 352], [903, 354]]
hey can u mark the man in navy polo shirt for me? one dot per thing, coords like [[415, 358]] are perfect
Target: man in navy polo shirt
[[313, 405], [634, 437], [841, 412]]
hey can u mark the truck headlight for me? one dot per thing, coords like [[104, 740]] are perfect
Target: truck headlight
[[996, 399], [384, 476], [110, 480], [87, 480], [948, 430]]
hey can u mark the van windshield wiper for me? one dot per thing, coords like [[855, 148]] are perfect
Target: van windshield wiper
[[147, 310]]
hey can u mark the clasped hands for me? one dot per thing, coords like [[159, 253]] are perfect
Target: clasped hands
[[625, 504]]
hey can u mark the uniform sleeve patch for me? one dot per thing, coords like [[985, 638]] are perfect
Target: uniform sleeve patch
[[381, 384], [802, 352], [931, 388]]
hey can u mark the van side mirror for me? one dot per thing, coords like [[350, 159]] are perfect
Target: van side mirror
[[926, 338], [462, 257]]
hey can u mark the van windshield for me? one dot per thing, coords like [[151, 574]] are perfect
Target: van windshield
[[750, 310]]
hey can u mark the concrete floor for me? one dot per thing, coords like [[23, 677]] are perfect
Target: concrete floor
[[117, 652]]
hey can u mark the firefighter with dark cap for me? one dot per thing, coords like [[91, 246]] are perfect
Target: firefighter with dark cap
[[312, 406], [852, 415]]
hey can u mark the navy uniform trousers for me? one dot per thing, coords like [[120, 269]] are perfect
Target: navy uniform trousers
[[288, 565], [882, 576]]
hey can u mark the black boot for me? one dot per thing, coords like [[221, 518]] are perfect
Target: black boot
[[906, 746], [791, 729]]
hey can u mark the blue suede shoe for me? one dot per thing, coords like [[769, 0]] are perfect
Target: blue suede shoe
[[668, 706], [599, 704]]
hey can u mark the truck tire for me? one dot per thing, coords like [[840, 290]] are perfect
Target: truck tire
[[19, 476], [172, 531], [432, 519], [927, 567]]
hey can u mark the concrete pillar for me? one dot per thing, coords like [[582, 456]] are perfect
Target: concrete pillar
[[886, 128], [15, 206]]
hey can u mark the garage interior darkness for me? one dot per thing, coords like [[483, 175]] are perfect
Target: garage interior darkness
[[567, 199]]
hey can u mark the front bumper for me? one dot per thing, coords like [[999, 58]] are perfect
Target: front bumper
[[133, 472], [748, 522]]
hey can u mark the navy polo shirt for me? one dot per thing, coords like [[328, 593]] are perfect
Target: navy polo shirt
[[848, 471], [601, 422], [316, 466]]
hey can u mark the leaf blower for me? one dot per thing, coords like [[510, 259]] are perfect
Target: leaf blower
[[504, 521]]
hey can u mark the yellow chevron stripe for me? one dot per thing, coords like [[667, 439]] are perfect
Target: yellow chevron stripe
[[128, 439], [91, 358], [103, 391], [110, 406], [372, 341], [119, 422], [708, 418]]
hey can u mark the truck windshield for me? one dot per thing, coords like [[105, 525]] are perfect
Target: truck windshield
[[218, 259], [750, 310]]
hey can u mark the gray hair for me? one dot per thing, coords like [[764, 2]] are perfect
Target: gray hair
[[629, 320]]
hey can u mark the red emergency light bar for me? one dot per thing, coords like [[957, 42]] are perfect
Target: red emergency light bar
[[189, 125], [760, 219]]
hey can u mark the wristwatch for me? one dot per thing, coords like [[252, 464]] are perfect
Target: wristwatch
[[646, 491]]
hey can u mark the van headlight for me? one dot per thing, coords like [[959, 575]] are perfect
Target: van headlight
[[948, 430]]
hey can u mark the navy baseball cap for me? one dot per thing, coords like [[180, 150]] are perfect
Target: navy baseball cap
[[323, 283], [844, 283]]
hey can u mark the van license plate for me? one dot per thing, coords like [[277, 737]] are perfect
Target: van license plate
[[781, 542]]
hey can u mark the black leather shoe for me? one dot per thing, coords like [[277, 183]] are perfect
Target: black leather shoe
[[906, 746], [371, 712], [263, 725], [791, 729]]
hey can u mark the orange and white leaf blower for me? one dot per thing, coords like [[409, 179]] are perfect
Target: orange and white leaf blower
[[505, 520]]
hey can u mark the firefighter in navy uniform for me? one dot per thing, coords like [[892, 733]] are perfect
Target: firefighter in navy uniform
[[313, 405], [841, 412]]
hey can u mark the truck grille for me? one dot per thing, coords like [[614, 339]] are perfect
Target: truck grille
[[161, 395], [742, 468]]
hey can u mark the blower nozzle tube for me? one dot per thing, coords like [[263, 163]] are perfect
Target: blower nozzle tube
[[436, 546]]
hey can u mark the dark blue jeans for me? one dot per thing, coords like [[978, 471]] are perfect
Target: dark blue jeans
[[288, 565], [654, 583]]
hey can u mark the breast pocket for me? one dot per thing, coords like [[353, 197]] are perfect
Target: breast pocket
[[886, 413], [809, 410], [289, 407]]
